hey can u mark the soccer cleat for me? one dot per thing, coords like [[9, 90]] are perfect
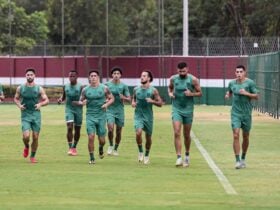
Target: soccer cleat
[[25, 152], [33, 160], [91, 162], [110, 150], [179, 162], [69, 151], [243, 164], [140, 157], [115, 153], [74, 152], [238, 165], [186, 162], [146, 160], [101, 155]]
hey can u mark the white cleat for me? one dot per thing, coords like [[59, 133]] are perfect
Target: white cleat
[[110, 150], [238, 165], [91, 162], [140, 157], [115, 153], [146, 160], [243, 164], [179, 162], [186, 162]]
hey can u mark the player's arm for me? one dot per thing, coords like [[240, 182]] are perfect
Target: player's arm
[[62, 97], [109, 98], [171, 88], [252, 93], [2, 97], [197, 89], [229, 92], [44, 99], [133, 100], [156, 100], [17, 99], [126, 96]]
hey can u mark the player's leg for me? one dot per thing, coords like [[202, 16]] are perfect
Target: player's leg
[[91, 137], [117, 140], [148, 146], [139, 144], [26, 139], [101, 132], [110, 127], [236, 146], [77, 135], [177, 142], [187, 142], [69, 135], [34, 146]]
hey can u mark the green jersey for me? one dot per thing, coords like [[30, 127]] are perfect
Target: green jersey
[[182, 104], [144, 110], [29, 96], [117, 108], [95, 99], [241, 104], [72, 93]]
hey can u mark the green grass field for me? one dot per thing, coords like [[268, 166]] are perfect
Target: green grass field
[[59, 181]]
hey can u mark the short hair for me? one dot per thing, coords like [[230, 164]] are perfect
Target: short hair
[[30, 69], [182, 65], [73, 71], [116, 68], [95, 71], [241, 67], [149, 74]]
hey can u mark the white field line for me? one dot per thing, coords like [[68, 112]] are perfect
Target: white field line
[[219, 174]]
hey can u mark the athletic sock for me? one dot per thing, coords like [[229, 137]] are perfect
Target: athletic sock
[[187, 153], [33, 154], [74, 145], [140, 148], [69, 144], [179, 156], [91, 156], [116, 147], [147, 153], [111, 143], [243, 156], [101, 149], [237, 158], [26, 146]]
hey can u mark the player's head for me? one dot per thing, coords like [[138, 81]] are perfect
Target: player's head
[[73, 75], [116, 72], [240, 72], [93, 76], [146, 76], [182, 69], [30, 75]]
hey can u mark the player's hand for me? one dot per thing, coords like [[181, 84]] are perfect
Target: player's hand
[[171, 95], [188, 92], [37, 106], [22, 107], [133, 104], [149, 100], [104, 106], [59, 101], [243, 92]]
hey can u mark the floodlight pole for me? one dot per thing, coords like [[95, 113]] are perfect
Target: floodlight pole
[[185, 28]]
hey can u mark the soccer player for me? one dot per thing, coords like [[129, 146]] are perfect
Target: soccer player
[[27, 98], [2, 97], [99, 98], [143, 99], [115, 112], [242, 90], [73, 112], [182, 89]]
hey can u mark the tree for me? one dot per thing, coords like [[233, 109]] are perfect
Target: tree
[[19, 30]]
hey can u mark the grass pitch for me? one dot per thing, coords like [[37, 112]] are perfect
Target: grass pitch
[[59, 181]]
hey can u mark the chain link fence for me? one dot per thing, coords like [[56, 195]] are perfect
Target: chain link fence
[[226, 46]]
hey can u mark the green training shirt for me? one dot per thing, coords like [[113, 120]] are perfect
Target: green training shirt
[[241, 105], [144, 110], [95, 99], [182, 104], [116, 89]]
